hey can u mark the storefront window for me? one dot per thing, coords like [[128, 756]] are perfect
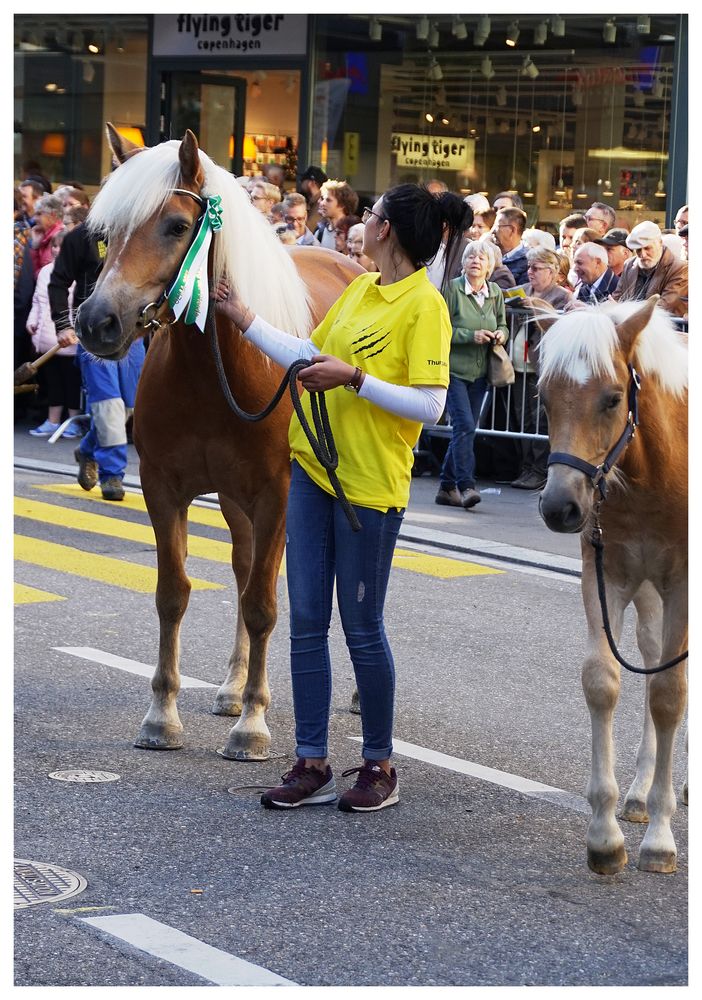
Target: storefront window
[[72, 74], [564, 111]]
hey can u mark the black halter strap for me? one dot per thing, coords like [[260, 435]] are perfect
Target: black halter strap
[[597, 473]]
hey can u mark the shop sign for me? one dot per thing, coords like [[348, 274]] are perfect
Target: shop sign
[[435, 152], [229, 35]]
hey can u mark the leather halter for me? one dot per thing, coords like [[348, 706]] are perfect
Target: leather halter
[[146, 320], [597, 473]]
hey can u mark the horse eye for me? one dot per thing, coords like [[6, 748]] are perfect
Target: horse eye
[[613, 401], [180, 228]]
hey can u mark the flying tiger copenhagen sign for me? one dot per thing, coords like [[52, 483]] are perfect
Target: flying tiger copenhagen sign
[[433, 151], [230, 34]]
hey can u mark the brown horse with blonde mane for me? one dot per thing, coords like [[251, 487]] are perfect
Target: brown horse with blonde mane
[[591, 363], [188, 440]]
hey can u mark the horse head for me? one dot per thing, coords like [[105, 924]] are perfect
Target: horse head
[[143, 254], [585, 388]]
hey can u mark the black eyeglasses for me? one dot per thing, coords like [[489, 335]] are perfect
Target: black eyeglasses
[[367, 212]]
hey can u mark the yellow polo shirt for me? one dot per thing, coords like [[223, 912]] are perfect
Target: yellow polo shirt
[[401, 333]]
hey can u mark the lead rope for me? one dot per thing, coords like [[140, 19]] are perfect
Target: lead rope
[[598, 545], [322, 445]]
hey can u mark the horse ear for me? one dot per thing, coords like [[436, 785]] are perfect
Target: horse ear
[[121, 148], [630, 329], [190, 167]]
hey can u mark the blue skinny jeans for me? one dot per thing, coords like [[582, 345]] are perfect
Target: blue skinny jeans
[[463, 401], [321, 549]]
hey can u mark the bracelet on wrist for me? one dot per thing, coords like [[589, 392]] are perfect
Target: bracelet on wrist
[[356, 380]]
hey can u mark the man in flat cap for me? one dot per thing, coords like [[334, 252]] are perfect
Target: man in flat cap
[[653, 271]]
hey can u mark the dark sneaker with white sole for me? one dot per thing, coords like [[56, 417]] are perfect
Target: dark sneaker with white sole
[[302, 786], [374, 789]]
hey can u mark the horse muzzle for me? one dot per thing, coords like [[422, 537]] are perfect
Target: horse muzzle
[[100, 330], [565, 501]]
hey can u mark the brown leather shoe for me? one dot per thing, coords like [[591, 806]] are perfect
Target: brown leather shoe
[[448, 498], [112, 489], [469, 498], [87, 470]]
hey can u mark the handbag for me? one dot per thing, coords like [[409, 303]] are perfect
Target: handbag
[[500, 370]]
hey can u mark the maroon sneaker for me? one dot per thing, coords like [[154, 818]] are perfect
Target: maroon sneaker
[[374, 789], [302, 786]]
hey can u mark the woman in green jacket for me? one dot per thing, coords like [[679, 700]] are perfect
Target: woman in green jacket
[[477, 310]]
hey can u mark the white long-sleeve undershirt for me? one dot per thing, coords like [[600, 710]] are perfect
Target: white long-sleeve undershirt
[[424, 404]]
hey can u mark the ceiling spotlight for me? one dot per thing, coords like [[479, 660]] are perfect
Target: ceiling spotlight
[[486, 68], [609, 31], [660, 191], [512, 34], [560, 188], [540, 33], [643, 24], [429, 117], [375, 29], [423, 28], [557, 26], [445, 120], [582, 194], [459, 30], [435, 72], [120, 42], [535, 128], [482, 30], [434, 37], [501, 97], [529, 69]]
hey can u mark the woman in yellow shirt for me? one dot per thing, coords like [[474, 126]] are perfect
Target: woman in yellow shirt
[[386, 339]]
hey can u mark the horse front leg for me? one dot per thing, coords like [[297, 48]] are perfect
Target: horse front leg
[[667, 698], [161, 728], [250, 738], [606, 853], [649, 630], [230, 696]]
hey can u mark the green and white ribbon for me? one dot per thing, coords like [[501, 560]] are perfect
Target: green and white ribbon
[[189, 292]]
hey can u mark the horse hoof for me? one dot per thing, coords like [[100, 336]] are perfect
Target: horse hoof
[[159, 739], [663, 862], [252, 753], [247, 745], [635, 811], [606, 862], [226, 705], [355, 707]]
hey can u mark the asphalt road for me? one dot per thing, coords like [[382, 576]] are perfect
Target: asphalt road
[[467, 882]]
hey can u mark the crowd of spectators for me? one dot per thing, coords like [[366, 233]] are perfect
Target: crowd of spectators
[[595, 258]]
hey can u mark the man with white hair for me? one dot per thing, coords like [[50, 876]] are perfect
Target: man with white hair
[[653, 271], [596, 281]]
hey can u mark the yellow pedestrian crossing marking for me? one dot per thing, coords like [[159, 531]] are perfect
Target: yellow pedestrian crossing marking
[[114, 527], [32, 595], [105, 569], [439, 567], [208, 516]]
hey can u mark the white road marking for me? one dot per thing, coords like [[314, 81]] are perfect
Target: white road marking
[[172, 945], [122, 663], [535, 789]]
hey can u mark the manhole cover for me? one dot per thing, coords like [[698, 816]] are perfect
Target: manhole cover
[[39, 883], [78, 775]]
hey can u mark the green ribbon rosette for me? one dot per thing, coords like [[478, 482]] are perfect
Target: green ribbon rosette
[[189, 293]]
